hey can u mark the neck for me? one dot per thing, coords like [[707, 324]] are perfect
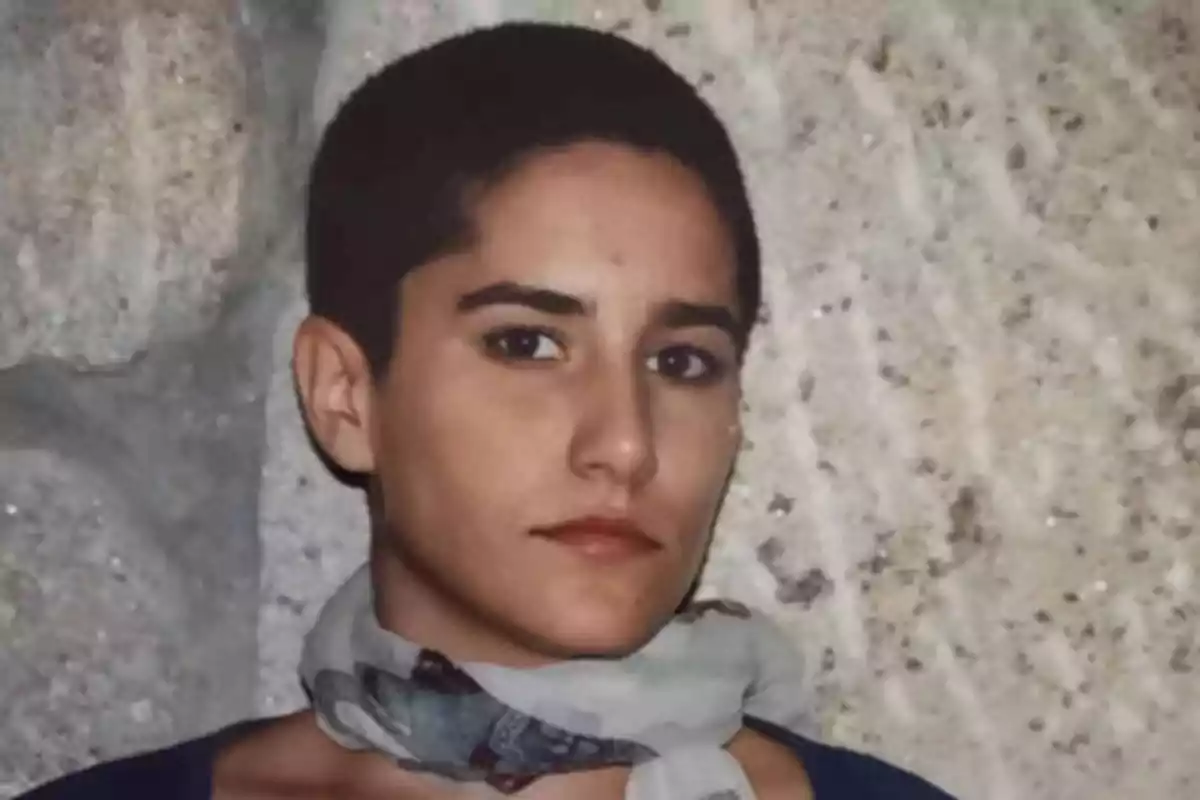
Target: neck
[[414, 605]]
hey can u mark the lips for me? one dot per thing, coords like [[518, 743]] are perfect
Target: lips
[[600, 537]]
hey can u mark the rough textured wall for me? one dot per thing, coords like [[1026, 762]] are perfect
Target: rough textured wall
[[972, 474]]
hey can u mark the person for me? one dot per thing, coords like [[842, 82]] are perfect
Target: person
[[533, 273]]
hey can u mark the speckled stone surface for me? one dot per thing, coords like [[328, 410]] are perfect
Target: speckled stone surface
[[130, 466], [970, 481], [123, 131], [91, 610], [128, 548]]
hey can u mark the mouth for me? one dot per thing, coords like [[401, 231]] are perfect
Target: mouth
[[600, 538]]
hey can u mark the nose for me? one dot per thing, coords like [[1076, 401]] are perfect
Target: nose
[[613, 440]]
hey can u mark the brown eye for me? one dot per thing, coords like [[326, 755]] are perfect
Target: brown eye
[[522, 344], [686, 364]]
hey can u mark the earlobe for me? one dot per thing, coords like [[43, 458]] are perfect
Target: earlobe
[[334, 384]]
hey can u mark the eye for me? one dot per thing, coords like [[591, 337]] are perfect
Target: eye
[[522, 344], [687, 364]]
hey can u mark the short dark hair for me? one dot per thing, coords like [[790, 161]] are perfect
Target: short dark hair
[[390, 186]]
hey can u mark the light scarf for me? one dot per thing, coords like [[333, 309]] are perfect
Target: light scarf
[[666, 710]]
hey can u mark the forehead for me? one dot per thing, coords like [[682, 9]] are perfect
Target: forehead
[[603, 220]]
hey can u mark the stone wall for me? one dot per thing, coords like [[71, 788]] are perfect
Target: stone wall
[[970, 487]]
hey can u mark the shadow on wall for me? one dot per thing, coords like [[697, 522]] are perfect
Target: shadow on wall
[[154, 156]]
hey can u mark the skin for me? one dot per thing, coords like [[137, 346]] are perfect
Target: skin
[[612, 391]]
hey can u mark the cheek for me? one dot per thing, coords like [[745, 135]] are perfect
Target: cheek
[[480, 434], [697, 443]]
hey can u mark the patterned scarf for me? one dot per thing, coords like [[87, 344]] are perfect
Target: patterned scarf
[[666, 710]]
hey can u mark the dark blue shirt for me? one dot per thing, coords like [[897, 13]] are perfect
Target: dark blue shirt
[[184, 772]]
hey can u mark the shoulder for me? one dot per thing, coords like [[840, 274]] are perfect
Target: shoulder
[[180, 772], [838, 772]]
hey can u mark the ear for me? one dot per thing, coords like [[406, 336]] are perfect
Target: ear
[[334, 381]]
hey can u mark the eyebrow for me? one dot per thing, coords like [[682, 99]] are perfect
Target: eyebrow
[[675, 314], [508, 293], [682, 314]]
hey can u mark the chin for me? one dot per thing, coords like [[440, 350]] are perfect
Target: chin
[[596, 636]]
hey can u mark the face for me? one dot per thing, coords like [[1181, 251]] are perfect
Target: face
[[577, 363]]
